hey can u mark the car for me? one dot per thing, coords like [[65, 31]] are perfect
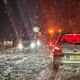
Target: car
[[67, 50]]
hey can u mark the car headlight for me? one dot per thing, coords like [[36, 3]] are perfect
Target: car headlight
[[38, 43], [32, 45], [20, 46]]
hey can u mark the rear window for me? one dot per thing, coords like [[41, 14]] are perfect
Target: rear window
[[70, 39]]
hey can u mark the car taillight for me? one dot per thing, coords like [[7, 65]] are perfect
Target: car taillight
[[74, 34], [50, 43], [57, 49]]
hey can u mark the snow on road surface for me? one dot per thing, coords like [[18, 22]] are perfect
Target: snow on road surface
[[68, 72], [24, 65], [33, 65]]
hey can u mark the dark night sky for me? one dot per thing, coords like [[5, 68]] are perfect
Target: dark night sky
[[18, 17]]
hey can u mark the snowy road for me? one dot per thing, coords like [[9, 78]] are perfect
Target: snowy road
[[31, 65], [68, 72], [24, 65]]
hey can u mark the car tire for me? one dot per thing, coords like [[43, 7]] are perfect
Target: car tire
[[55, 66]]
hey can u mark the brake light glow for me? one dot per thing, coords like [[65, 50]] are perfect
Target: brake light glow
[[51, 43], [74, 34], [57, 48]]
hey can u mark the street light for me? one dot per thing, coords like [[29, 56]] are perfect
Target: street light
[[60, 30], [36, 29], [51, 32]]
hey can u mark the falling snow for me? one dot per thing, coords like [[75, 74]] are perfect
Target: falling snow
[[18, 18], [5, 1]]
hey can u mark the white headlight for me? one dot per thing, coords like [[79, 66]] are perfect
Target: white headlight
[[32, 45], [38, 43], [20, 46]]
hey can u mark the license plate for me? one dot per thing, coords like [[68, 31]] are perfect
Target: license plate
[[72, 57], [75, 57]]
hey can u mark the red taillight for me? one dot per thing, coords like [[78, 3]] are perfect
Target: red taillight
[[50, 43], [74, 34], [57, 49]]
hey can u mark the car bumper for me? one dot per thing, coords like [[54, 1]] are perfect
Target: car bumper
[[67, 58], [67, 62]]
